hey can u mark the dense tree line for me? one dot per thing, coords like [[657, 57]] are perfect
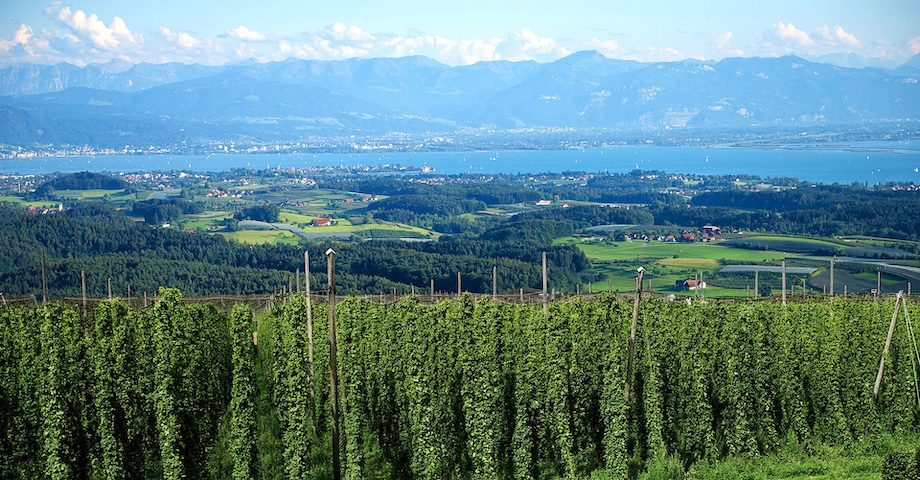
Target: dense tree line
[[106, 244], [824, 210], [423, 210], [584, 216], [427, 204], [80, 181], [158, 211], [266, 212]]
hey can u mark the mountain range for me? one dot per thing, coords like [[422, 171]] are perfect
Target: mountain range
[[118, 103]]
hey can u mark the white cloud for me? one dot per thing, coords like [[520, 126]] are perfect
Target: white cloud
[[531, 46], [788, 32], [612, 49], [349, 34], [111, 37], [182, 40], [23, 34], [243, 33], [339, 41], [722, 45], [447, 50], [914, 45], [607, 48], [837, 36]]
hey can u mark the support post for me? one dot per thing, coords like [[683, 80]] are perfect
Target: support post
[[145, 299], [494, 282], [306, 275], [44, 279], [878, 288], [632, 332], [333, 368], [784, 282], [545, 306], [108, 283], [83, 288], [881, 367], [756, 284], [459, 287], [297, 281], [832, 278]]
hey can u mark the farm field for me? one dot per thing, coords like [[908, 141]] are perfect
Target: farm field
[[85, 194], [206, 220], [262, 236], [20, 201], [667, 263], [788, 244], [641, 250]]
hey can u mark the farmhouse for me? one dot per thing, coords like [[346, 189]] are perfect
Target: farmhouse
[[321, 222], [544, 202], [689, 284], [710, 231]]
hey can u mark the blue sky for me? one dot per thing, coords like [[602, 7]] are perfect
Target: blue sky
[[458, 33]]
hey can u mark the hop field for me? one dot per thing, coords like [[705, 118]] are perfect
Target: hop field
[[463, 388]]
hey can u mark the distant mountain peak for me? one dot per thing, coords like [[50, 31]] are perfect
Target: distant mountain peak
[[913, 61], [285, 100]]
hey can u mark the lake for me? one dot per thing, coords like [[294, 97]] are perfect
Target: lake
[[864, 162]]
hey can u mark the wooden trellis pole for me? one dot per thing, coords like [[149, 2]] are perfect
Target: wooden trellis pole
[[632, 332], [44, 279], [306, 272], [784, 282], [881, 367], [494, 282], [545, 298], [914, 362], [333, 368]]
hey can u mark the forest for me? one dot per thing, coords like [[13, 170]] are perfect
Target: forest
[[106, 244], [463, 388]]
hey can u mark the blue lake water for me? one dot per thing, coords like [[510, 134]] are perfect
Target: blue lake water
[[872, 162]]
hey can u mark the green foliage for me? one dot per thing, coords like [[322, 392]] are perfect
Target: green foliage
[[242, 394], [157, 211], [264, 213], [80, 181], [465, 388]]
